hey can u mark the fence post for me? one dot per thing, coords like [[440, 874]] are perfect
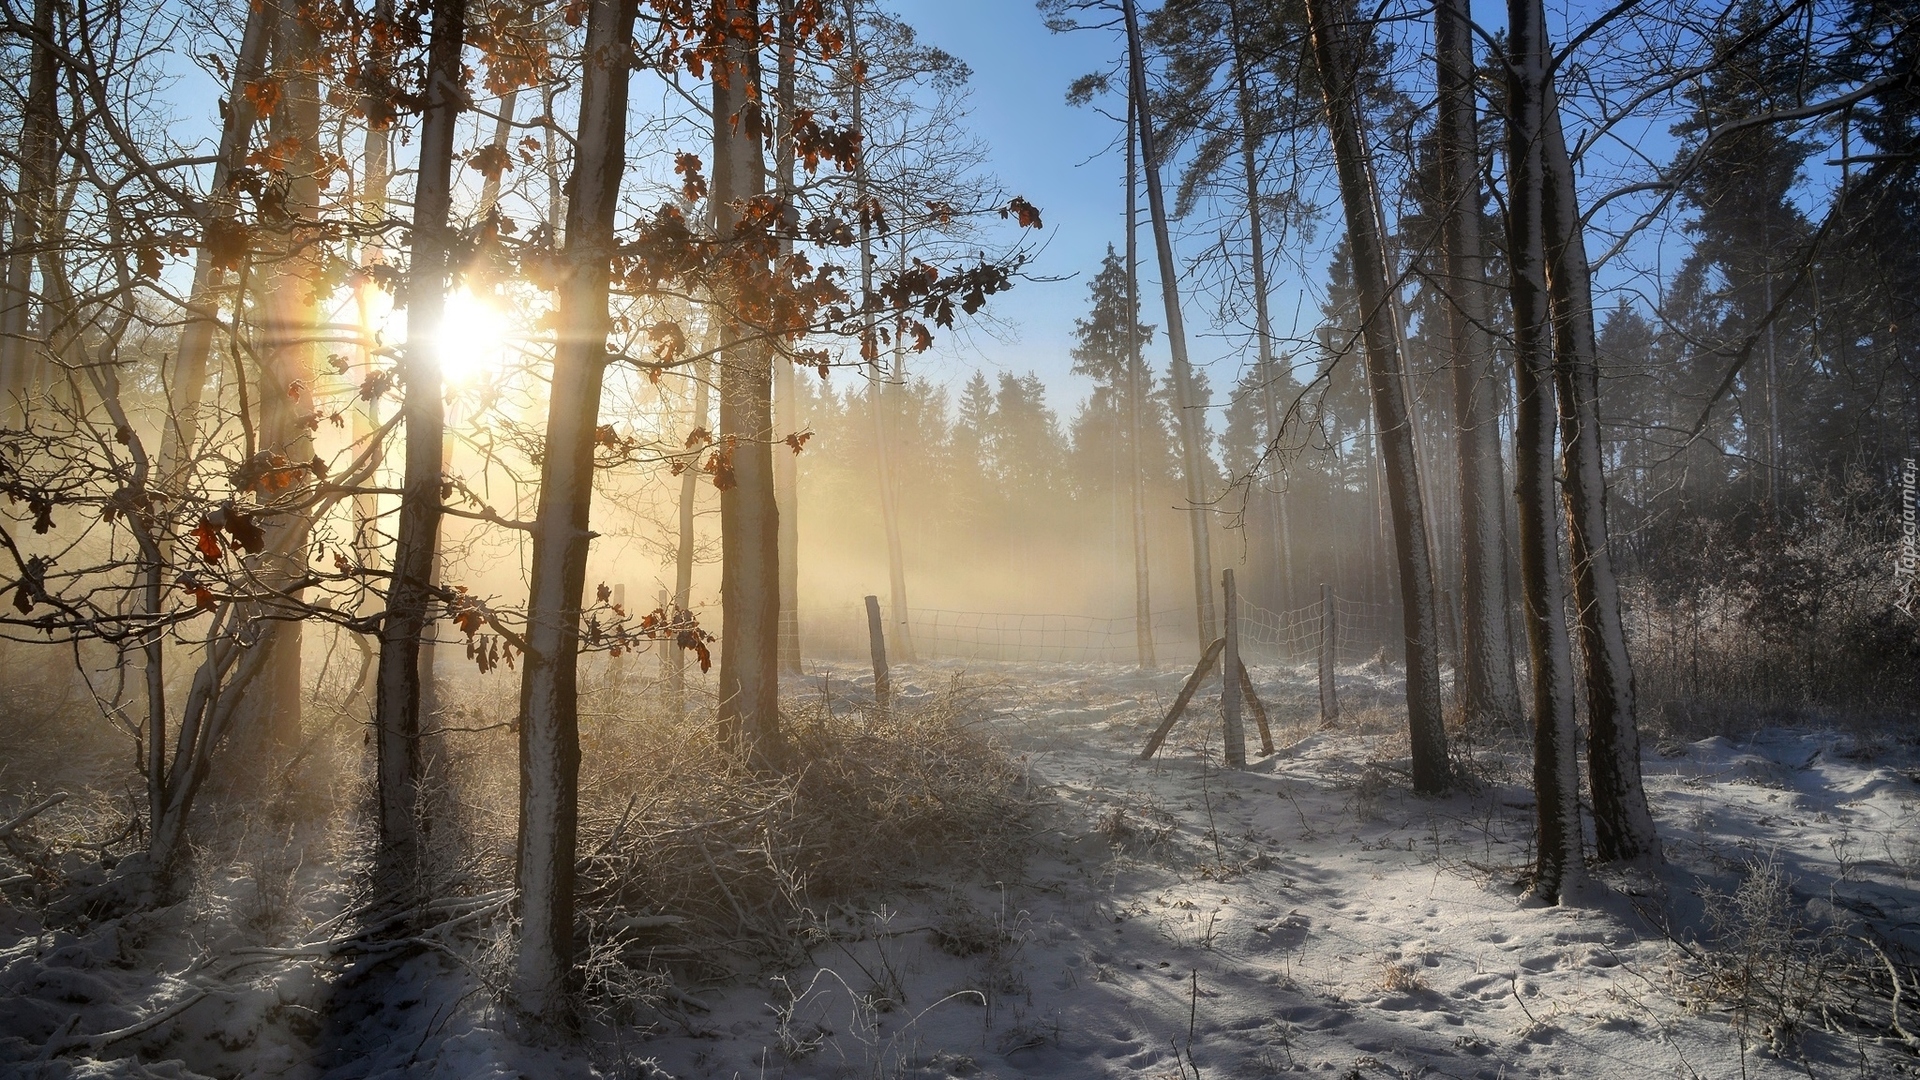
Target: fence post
[[1230, 677], [1329, 645], [882, 692]]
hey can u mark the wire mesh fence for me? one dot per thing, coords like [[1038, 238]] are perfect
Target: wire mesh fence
[[1279, 637]]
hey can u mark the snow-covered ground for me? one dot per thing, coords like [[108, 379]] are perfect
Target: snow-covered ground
[[1174, 918]]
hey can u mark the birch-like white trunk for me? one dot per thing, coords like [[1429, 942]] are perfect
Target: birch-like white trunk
[[1334, 56], [549, 703]]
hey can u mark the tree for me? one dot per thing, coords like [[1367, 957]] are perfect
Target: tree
[[1335, 57], [1555, 772], [786, 467], [397, 699], [549, 717], [1107, 351], [269, 707], [749, 516], [1190, 421], [1487, 637], [1623, 826]]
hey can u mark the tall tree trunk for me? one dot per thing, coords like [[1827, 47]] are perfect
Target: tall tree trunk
[[549, 702], [1191, 421], [786, 466], [270, 715], [1492, 694], [886, 430], [188, 377], [683, 550], [1263, 321], [1622, 824], [880, 399], [1136, 387], [1555, 772], [369, 300], [397, 697], [1336, 57], [33, 204], [749, 518]]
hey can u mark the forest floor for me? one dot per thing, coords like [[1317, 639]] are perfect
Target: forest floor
[[1306, 914]]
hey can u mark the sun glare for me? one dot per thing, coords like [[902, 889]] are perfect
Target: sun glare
[[473, 338]]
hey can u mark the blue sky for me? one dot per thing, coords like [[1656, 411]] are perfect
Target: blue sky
[[1067, 161], [1061, 158]]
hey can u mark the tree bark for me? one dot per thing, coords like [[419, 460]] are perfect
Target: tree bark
[[1492, 694], [397, 696], [1335, 56], [1277, 538], [1136, 386], [1622, 824], [33, 205], [269, 718], [886, 428], [188, 377], [683, 550], [1555, 775], [749, 518], [1191, 422], [549, 704], [880, 399], [786, 466]]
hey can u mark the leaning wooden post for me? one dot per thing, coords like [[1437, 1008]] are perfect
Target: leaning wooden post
[[1200, 670], [1230, 682], [1329, 641], [882, 692]]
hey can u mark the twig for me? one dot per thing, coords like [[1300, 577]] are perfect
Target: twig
[[32, 812], [1894, 974]]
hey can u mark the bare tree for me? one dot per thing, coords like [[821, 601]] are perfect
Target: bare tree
[[1189, 418], [1336, 58], [786, 467], [269, 708], [549, 705], [1136, 387], [1491, 695], [1623, 826], [33, 207], [1555, 772], [397, 698]]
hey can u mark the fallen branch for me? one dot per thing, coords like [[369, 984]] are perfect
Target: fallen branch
[[32, 812]]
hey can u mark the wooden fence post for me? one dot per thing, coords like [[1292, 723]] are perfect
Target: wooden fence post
[[882, 692], [1329, 645], [1236, 734]]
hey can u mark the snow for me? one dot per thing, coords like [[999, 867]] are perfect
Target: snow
[[1306, 914]]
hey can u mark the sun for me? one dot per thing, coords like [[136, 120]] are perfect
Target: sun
[[473, 338]]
